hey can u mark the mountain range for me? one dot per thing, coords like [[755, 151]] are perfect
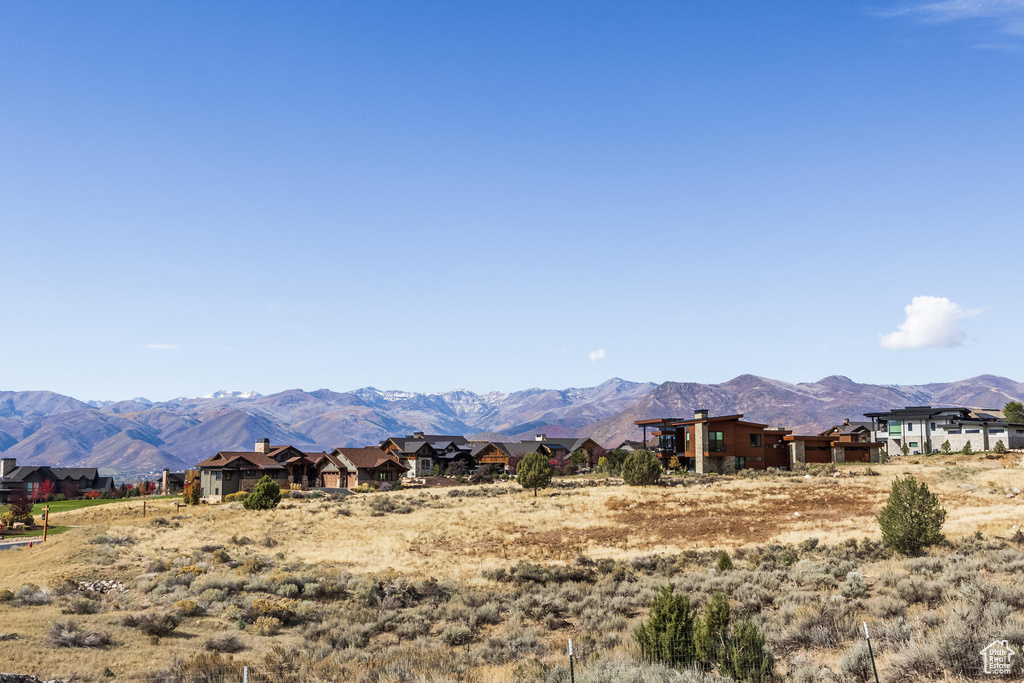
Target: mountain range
[[140, 436]]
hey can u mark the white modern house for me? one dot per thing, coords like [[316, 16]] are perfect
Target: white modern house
[[924, 429]]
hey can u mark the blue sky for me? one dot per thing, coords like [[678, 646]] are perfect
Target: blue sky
[[196, 196]]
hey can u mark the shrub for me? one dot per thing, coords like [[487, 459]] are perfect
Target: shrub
[[724, 561], [747, 659], [999, 448], [161, 624], [265, 495], [266, 626], [912, 518], [967, 448], [709, 632], [69, 634], [667, 635], [946, 447], [82, 606], [228, 643], [534, 472], [641, 468], [238, 495], [193, 491], [856, 664], [188, 608]]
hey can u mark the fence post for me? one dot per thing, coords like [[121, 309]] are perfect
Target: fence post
[[572, 674], [245, 674], [46, 520], [870, 651], [143, 509]]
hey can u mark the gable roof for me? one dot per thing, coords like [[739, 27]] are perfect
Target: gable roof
[[370, 457], [257, 461]]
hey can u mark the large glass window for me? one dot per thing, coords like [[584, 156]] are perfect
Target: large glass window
[[741, 463], [716, 442], [894, 429], [755, 440], [687, 439]]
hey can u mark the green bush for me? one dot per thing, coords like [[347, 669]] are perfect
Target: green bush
[[667, 635], [534, 472], [946, 448], [232, 497], [999, 448], [709, 632], [967, 448], [641, 468], [747, 659], [912, 518], [265, 495], [9, 519], [724, 561]]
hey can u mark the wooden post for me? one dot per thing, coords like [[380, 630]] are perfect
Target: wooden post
[[46, 520], [143, 509]]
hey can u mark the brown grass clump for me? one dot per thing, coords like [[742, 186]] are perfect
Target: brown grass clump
[[70, 634]]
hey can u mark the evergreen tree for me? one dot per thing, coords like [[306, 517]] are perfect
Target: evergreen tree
[[641, 468], [1013, 412], [534, 472], [266, 494], [999, 448], [747, 659], [667, 635], [192, 492], [912, 518], [967, 448], [946, 448], [724, 561], [711, 630]]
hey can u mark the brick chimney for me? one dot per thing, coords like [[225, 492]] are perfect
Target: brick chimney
[[7, 465], [700, 414], [262, 445], [164, 490]]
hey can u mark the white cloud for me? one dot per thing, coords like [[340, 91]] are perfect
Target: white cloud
[[163, 347], [595, 356], [931, 322], [1006, 15]]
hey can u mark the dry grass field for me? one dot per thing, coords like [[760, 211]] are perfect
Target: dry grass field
[[459, 536]]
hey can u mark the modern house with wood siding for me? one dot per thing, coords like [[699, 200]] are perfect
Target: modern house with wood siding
[[419, 452], [728, 443]]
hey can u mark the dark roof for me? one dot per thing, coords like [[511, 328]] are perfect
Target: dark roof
[[75, 472], [23, 472], [370, 457], [571, 443], [915, 411], [257, 460]]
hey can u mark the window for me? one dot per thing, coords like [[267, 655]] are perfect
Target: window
[[687, 440], [933, 426], [217, 476], [996, 431], [894, 429], [741, 463], [716, 442], [910, 427], [755, 440], [972, 431], [227, 476], [953, 431], [913, 444]]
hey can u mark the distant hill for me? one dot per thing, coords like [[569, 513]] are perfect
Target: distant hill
[[141, 436], [807, 407], [138, 435]]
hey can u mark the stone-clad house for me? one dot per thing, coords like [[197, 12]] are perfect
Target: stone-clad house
[[420, 452]]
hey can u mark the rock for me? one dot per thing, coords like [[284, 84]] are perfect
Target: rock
[[796, 514], [807, 476]]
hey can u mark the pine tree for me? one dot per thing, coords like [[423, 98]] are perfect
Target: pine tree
[[667, 635], [747, 659], [724, 561], [912, 518], [946, 448], [999, 448], [967, 448], [641, 468], [534, 472], [266, 494], [711, 630]]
